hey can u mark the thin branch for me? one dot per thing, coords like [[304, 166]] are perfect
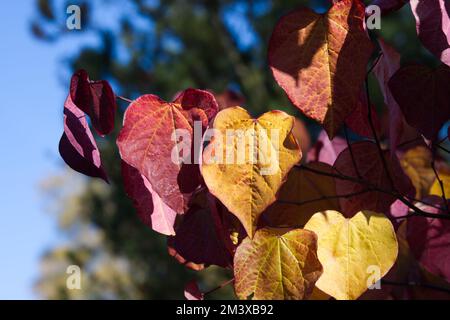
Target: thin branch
[[369, 185], [220, 286], [442, 148], [415, 284], [351, 151], [441, 183], [124, 99], [408, 142], [348, 195]]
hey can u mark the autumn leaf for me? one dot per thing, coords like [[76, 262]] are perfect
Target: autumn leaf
[[416, 162], [151, 209], [422, 94], [77, 146], [429, 239], [387, 65], [246, 181], [96, 99], [365, 157], [303, 194], [351, 249], [277, 264], [433, 26], [197, 244], [147, 143], [320, 60]]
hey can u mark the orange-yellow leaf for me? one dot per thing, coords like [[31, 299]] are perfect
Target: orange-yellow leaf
[[277, 264], [247, 161]]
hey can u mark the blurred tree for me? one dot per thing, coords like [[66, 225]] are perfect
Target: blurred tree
[[160, 47]]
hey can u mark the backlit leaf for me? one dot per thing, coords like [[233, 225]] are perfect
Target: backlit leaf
[[151, 209], [388, 64], [416, 162], [277, 264], [370, 168], [147, 143], [433, 26], [77, 145], [350, 248], [246, 173], [429, 239], [422, 94], [320, 60], [197, 243], [96, 99], [436, 187]]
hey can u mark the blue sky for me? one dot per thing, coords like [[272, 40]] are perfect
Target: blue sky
[[31, 98]]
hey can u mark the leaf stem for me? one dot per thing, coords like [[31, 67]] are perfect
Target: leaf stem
[[124, 99]]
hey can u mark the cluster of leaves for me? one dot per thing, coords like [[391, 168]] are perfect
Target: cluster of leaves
[[315, 227]]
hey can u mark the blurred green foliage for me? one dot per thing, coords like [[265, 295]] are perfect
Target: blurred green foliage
[[160, 47]]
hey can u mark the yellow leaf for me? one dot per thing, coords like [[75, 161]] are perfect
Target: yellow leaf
[[416, 162], [247, 161], [353, 251], [436, 188], [277, 264]]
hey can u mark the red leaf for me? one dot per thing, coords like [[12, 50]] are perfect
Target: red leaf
[[429, 240], [77, 145], [197, 243], [388, 64], [388, 6], [433, 26], [145, 142], [358, 120], [320, 60], [326, 150], [423, 96], [150, 208], [370, 168], [192, 291], [96, 99]]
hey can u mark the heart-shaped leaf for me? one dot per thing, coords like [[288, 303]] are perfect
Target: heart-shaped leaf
[[149, 142], [320, 60], [422, 94], [433, 26], [246, 181], [353, 251], [277, 264]]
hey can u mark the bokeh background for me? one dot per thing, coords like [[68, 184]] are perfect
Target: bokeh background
[[52, 217]]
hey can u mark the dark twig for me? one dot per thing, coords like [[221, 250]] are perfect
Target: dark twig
[[373, 187], [220, 286], [350, 149], [347, 195], [124, 99], [441, 183]]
